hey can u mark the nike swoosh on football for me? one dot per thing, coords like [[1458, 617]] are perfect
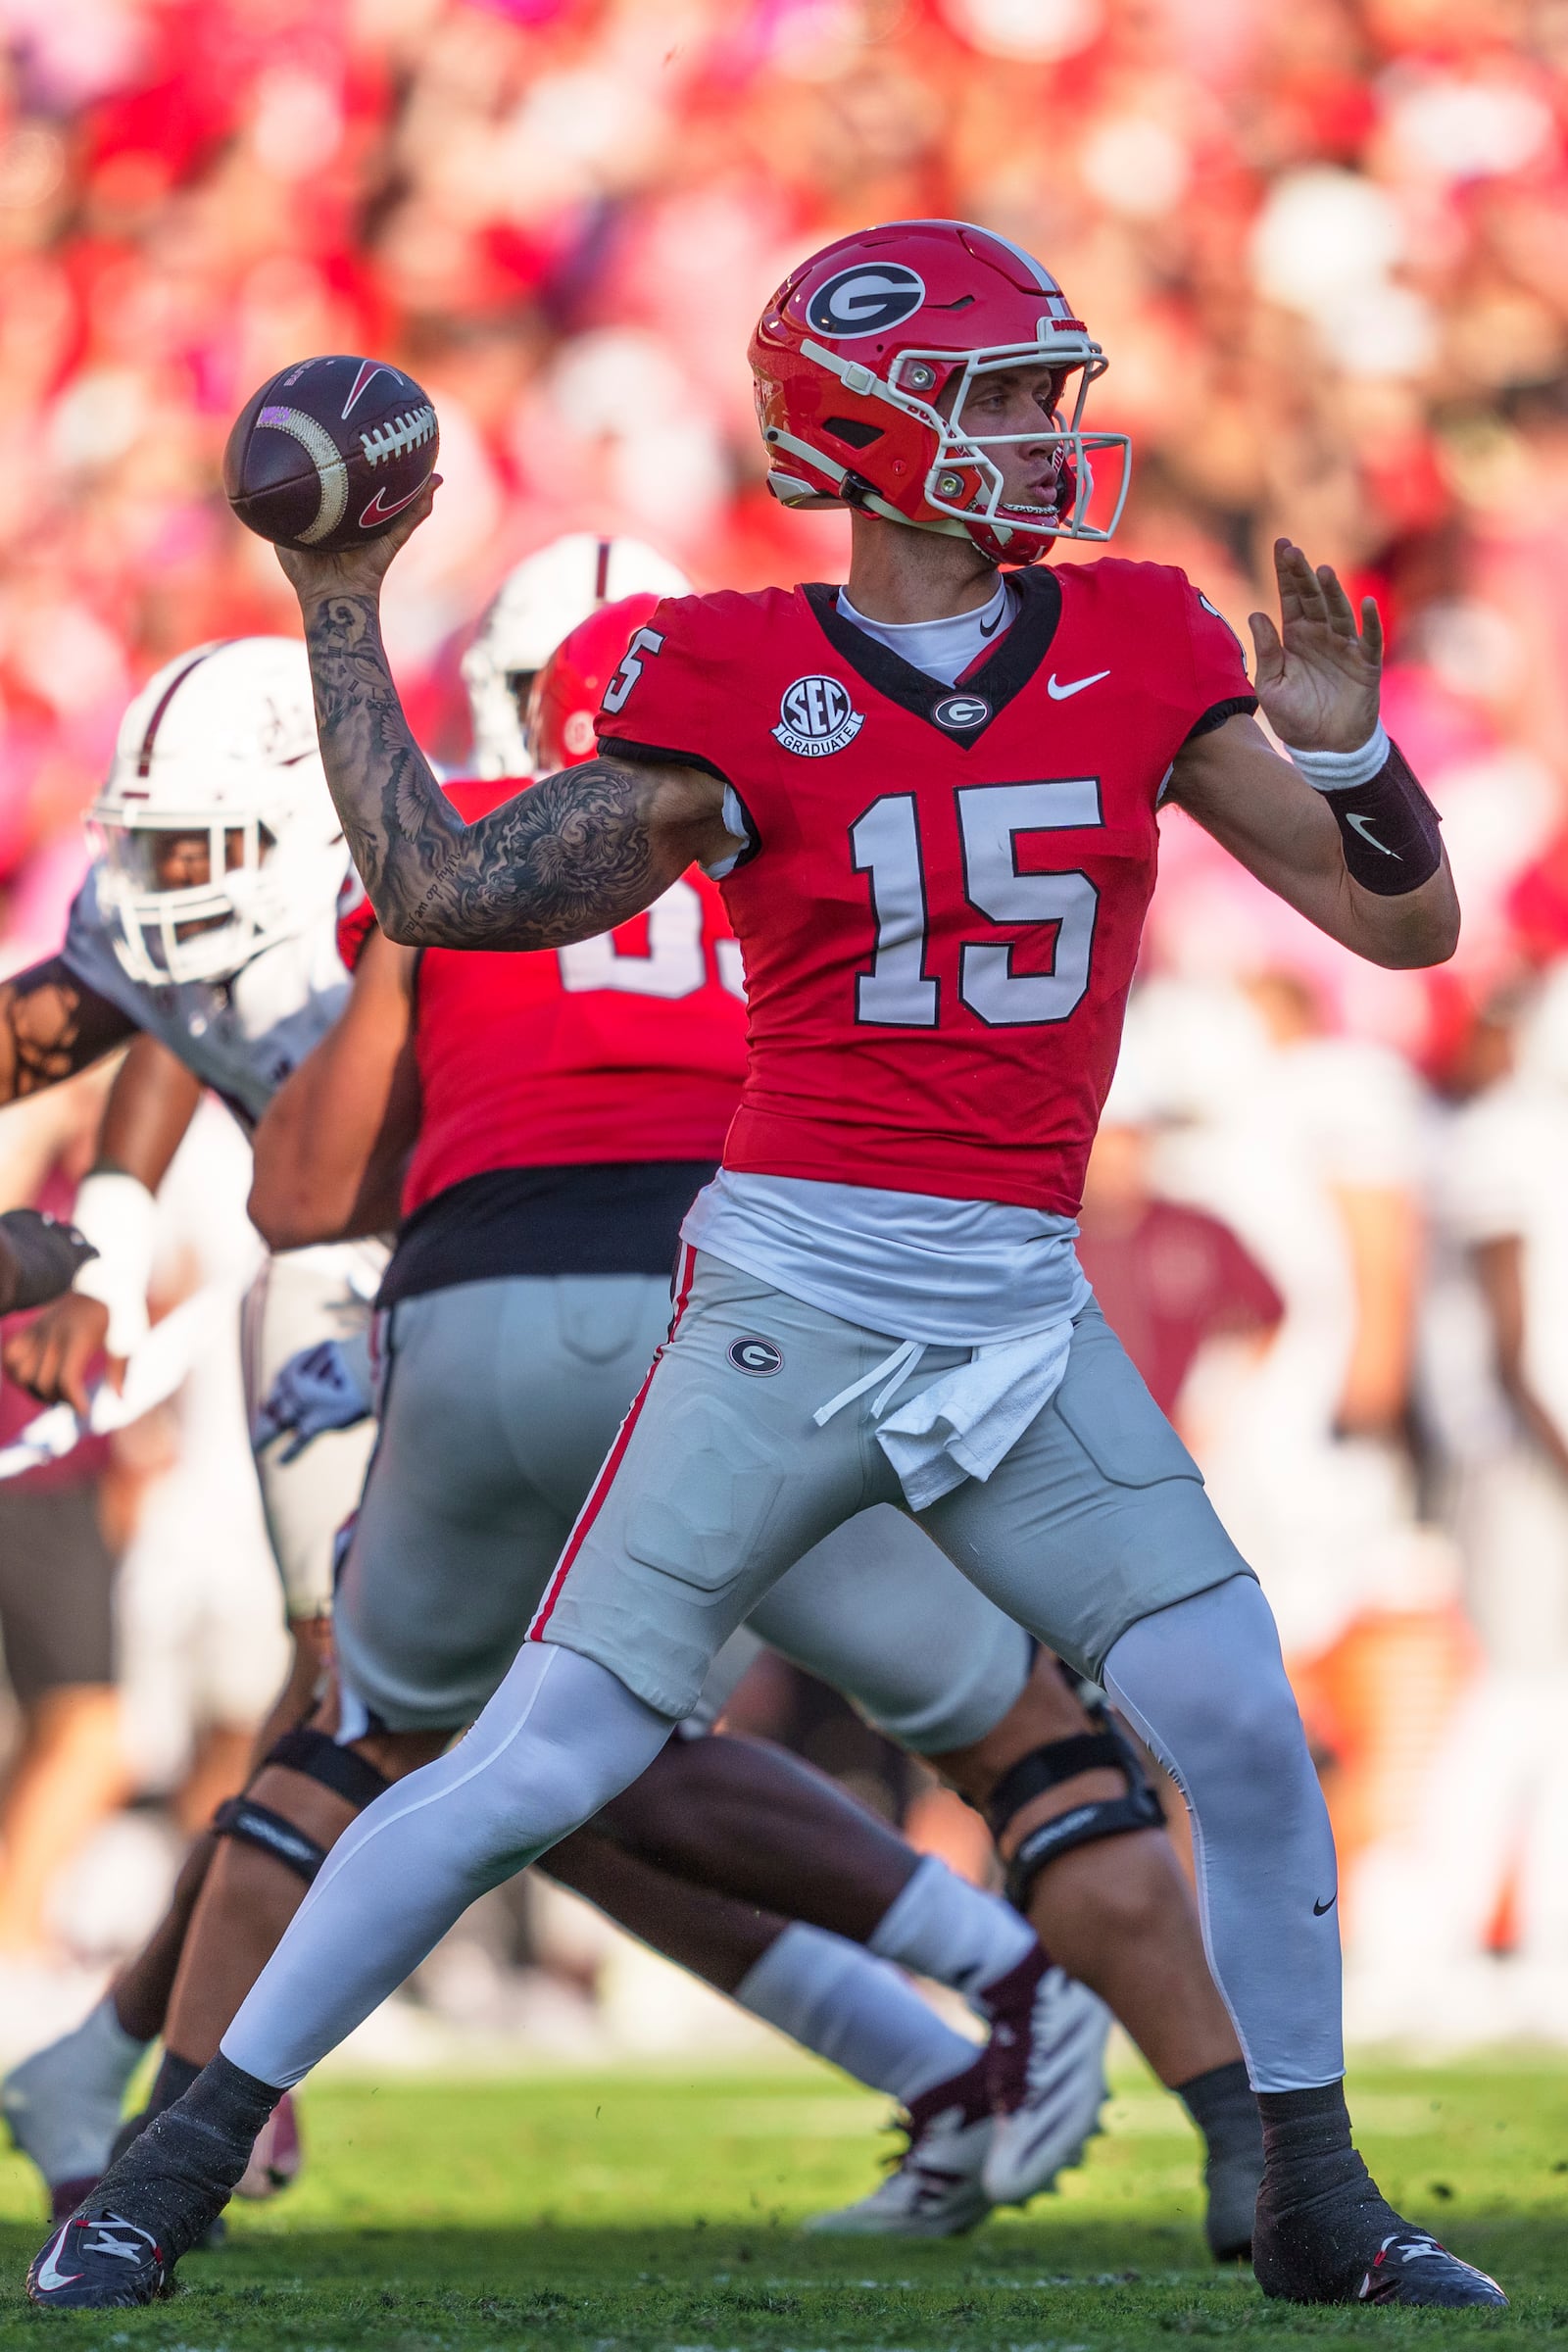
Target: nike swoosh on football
[[49, 2276], [1319, 1909], [1060, 692], [376, 512]]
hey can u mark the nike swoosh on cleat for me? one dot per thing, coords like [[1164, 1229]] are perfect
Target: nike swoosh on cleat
[[1319, 1909], [1060, 692], [50, 2278]]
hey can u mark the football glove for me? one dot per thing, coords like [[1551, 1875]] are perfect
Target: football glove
[[325, 1386]]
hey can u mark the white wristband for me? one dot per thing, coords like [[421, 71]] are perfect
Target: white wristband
[[1341, 771], [118, 1213]]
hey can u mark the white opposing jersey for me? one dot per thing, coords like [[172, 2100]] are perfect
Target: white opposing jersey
[[241, 1037]]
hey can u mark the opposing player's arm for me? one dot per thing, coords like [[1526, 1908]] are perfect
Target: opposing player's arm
[[1317, 680], [151, 1104], [334, 1141], [52, 1025], [575, 855]]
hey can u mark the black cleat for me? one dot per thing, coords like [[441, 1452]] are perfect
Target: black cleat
[[1410, 2267], [98, 2261], [1348, 2245], [158, 2200]]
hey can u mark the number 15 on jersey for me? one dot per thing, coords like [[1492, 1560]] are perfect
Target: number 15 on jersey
[[898, 992]]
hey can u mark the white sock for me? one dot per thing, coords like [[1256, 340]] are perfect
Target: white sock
[[832, 1997], [103, 2045], [63, 2103], [942, 1928]]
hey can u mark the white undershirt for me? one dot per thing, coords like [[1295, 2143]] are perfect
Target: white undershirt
[[943, 649]]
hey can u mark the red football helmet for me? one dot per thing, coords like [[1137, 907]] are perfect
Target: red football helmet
[[856, 349], [568, 690]]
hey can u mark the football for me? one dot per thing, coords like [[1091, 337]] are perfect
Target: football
[[329, 452]]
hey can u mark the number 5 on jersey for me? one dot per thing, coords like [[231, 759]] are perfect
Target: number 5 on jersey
[[898, 992]]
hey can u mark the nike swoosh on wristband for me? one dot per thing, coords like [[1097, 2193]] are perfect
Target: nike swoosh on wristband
[[1363, 827], [1319, 1909], [1060, 694], [50, 2277], [378, 511]]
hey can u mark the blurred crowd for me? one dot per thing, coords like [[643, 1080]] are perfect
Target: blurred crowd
[[1326, 249]]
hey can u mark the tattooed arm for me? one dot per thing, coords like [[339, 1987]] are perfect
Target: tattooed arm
[[573, 855], [51, 1026]]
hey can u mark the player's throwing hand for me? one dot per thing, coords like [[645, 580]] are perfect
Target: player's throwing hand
[[1317, 674]]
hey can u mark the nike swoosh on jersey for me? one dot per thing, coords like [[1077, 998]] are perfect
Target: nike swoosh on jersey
[[995, 625], [50, 2275], [1060, 692], [1363, 827], [1319, 1909]]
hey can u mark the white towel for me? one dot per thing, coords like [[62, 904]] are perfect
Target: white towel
[[964, 1424]]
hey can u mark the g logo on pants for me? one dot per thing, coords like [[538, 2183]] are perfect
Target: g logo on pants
[[760, 1358]]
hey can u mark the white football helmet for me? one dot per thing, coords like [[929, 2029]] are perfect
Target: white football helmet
[[221, 743], [539, 603]]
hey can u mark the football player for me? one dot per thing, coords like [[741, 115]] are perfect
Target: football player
[[931, 796], [205, 935], [571, 1104]]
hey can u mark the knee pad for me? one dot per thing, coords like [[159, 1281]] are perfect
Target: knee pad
[[320, 1758], [1047, 1767]]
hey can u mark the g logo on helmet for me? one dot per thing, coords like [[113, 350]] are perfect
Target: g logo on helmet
[[815, 716], [865, 301], [760, 1357]]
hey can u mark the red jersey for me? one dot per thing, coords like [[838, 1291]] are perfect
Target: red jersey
[[945, 889], [627, 1046]]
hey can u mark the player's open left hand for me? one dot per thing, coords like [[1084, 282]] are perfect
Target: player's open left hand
[[1318, 674], [354, 570]]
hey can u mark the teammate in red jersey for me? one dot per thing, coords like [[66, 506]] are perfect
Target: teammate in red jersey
[[933, 797]]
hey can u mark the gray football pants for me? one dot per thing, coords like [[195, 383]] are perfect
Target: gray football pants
[[500, 1403]]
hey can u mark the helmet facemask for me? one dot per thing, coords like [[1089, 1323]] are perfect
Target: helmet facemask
[[963, 487], [199, 931], [967, 482]]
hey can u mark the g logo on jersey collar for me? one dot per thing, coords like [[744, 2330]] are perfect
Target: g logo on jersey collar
[[957, 711], [865, 301], [816, 716]]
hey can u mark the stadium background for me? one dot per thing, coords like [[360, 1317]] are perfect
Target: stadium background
[[1326, 248]]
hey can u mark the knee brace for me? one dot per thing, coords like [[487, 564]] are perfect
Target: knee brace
[[320, 1758], [1047, 1767]]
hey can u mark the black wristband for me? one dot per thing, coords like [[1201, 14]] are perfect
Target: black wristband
[[43, 1255], [1388, 828]]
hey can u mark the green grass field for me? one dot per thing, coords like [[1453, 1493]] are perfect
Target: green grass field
[[657, 2210]]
